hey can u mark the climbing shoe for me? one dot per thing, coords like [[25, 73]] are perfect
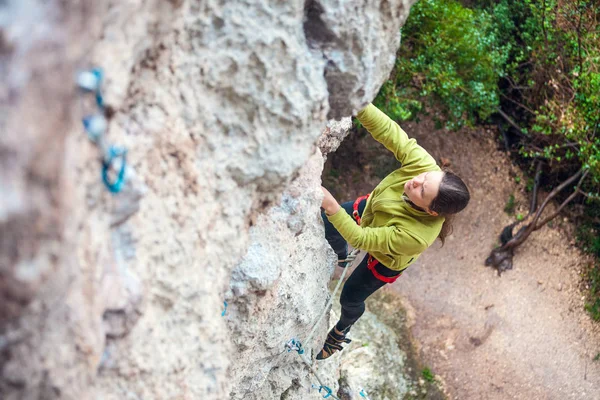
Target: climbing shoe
[[333, 343]]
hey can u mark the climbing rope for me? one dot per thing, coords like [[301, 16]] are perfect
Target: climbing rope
[[348, 260], [351, 256], [114, 159], [296, 345]]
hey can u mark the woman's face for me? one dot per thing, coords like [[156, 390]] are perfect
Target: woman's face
[[424, 188]]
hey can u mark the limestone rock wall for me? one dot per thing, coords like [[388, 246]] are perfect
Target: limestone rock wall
[[220, 104], [280, 288]]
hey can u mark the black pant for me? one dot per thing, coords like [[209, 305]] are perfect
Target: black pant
[[362, 283]]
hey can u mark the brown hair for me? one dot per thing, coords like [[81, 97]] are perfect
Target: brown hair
[[452, 198]]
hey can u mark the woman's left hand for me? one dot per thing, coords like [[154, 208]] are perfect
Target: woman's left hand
[[329, 204]]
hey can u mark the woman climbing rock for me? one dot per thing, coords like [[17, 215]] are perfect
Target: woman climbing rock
[[401, 218]]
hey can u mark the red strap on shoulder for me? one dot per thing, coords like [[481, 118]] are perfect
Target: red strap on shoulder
[[355, 207], [372, 262]]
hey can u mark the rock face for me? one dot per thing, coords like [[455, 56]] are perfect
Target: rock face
[[219, 104], [373, 361]]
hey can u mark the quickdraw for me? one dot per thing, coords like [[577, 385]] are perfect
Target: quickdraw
[[113, 158]]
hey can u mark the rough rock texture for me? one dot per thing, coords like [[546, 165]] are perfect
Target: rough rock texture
[[373, 361], [219, 103], [278, 291]]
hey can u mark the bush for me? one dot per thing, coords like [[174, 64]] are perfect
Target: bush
[[552, 78], [449, 60], [537, 60]]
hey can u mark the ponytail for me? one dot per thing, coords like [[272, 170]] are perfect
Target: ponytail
[[447, 229], [453, 197]]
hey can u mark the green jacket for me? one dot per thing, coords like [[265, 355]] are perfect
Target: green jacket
[[391, 230]]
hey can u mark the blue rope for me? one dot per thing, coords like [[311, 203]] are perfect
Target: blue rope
[[114, 153]]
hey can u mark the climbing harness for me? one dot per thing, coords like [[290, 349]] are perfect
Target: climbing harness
[[372, 261], [355, 207], [114, 159]]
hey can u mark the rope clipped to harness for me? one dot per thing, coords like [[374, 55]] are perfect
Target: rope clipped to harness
[[114, 159]]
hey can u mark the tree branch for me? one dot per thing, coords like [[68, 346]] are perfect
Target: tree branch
[[524, 107], [564, 203], [558, 210], [536, 184], [511, 122], [589, 196], [518, 239]]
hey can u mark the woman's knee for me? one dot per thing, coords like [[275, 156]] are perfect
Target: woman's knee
[[349, 297]]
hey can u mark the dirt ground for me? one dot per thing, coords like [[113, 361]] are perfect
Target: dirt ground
[[524, 335]]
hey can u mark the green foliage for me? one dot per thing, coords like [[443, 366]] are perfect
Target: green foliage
[[530, 184], [520, 217], [552, 73], [509, 207], [536, 59], [450, 60], [593, 302], [428, 375], [587, 236], [554, 56]]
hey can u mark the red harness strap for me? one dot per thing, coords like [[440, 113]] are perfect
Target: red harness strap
[[372, 262], [387, 279], [355, 207]]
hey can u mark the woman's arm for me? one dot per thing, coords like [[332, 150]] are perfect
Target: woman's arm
[[389, 133], [387, 239]]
